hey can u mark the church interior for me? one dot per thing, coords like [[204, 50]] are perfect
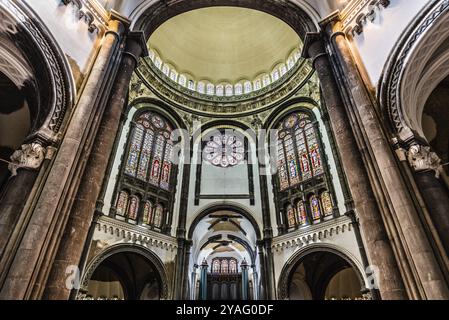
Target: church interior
[[224, 150]]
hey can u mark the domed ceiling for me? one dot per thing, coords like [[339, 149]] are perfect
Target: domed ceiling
[[224, 44]]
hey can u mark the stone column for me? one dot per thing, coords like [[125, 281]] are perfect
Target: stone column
[[203, 281], [25, 165], [427, 273], [34, 252], [427, 167], [376, 240], [245, 279], [83, 209]]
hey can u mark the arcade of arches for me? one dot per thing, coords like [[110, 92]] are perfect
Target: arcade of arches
[[240, 151]]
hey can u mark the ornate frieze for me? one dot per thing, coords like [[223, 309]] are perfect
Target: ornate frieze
[[314, 234], [30, 157], [360, 12], [123, 231]]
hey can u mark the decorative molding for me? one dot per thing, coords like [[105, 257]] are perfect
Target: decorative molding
[[421, 158], [89, 13], [30, 157], [137, 234], [312, 234], [359, 12]]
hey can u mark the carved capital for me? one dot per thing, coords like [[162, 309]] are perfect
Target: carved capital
[[30, 157], [421, 158]]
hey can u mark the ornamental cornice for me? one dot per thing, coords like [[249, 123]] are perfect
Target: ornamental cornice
[[360, 12], [91, 12], [137, 234], [312, 234]]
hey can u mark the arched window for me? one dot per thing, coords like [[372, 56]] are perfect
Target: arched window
[[301, 213], [283, 70], [151, 148], [257, 84], [238, 89], [224, 266], [275, 75], [315, 208], [122, 203], [173, 75], [133, 207], [220, 90], [166, 70], [191, 85], [158, 62], [210, 89], [233, 266], [326, 203], [299, 155], [248, 87], [291, 216], [151, 55], [147, 210], [201, 87], [216, 266], [182, 80], [229, 90], [266, 80], [290, 63], [158, 215]]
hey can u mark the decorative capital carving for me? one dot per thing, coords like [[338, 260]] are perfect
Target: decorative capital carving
[[30, 157], [421, 158]]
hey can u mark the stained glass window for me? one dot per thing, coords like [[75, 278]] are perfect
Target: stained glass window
[[174, 75], [291, 216], [122, 203], [166, 168], [225, 150], [232, 266], [299, 155], [315, 208], [326, 203], [147, 209], [224, 266], [229, 90], [158, 215], [257, 84], [157, 160], [191, 85], [302, 213], [266, 80], [133, 208], [134, 152], [275, 76], [216, 266]]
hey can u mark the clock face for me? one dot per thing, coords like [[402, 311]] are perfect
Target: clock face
[[224, 150]]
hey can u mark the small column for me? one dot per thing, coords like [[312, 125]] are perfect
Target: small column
[[244, 267], [203, 280], [426, 166], [255, 282]]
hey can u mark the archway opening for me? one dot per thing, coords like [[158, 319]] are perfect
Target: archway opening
[[14, 123], [225, 263], [324, 276], [125, 276]]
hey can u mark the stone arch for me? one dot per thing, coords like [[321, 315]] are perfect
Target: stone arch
[[152, 258], [291, 265]]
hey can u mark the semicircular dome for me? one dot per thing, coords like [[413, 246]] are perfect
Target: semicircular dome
[[225, 45]]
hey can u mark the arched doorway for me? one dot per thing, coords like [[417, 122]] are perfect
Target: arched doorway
[[124, 273], [225, 264], [321, 275]]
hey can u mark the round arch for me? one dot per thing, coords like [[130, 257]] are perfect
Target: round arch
[[291, 265], [149, 16], [228, 207], [151, 257]]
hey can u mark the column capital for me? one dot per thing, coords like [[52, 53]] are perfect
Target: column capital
[[114, 15], [422, 158], [136, 45], [311, 39], [30, 156], [333, 18]]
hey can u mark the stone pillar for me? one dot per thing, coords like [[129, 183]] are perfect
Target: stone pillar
[[245, 279], [376, 240], [82, 213], [426, 271], [427, 167], [35, 251], [24, 167], [203, 281]]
